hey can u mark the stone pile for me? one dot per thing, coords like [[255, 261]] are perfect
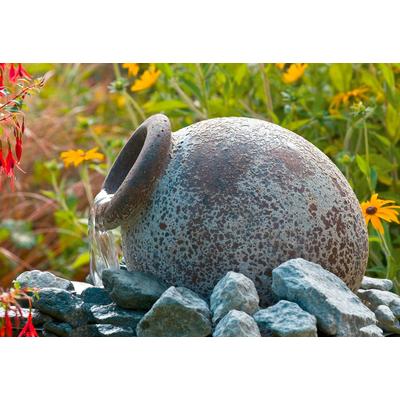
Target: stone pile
[[308, 301]]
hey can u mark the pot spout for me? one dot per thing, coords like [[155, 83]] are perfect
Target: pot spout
[[131, 180]]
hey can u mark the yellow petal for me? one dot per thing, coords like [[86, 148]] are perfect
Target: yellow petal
[[377, 224], [132, 68]]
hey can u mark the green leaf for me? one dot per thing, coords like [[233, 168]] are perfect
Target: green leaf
[[374, 178], [362, 164], [295, 125], [240, 73], [163, 106], [382, 139], [388, 75], [166, 70], [341, 75], [81, 260], [392, 121], [370, 80]]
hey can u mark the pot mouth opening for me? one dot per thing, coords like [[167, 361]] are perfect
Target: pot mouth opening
[[125, 161]]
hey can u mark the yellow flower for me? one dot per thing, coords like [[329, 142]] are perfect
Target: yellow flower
[[280, 65], [294, 72], [374, 210], [345, 97], [77, 157], [133, 69], [147, 79]]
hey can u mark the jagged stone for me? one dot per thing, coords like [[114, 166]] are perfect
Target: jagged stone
[[61, 305], [96, 295], [236, 324], [178, 312], [134, 290], [233, 292], [387, 320], [373, 298], [371, 331], [285, 319], [114, 315], [43, 279], [375, 283], [337, 309], [58, 328]]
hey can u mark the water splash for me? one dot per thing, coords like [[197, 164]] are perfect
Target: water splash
[[103, 249]]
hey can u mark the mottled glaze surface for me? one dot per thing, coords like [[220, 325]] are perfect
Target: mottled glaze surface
[[245, 195]]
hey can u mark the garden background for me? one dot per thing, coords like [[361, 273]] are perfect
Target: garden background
[[77, 123]]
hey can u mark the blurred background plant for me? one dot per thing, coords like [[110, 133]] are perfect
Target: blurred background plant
[[85, 113]]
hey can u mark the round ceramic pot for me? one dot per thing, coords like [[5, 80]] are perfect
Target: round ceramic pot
[[226, 194]]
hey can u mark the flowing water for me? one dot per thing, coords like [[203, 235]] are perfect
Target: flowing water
[[103, 248]]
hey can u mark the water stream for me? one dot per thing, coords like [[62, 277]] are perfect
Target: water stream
[[103, 248]]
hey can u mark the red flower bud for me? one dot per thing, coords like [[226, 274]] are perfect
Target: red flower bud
[[29, 330], [18, 148], [10, 162]]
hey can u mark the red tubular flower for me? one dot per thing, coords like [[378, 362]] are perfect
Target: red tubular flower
[[28, 330], [6, 329], [18, 148], [1, 80], [22, 73], [12, 73], [2, 163], [9, 166], [10, 162]]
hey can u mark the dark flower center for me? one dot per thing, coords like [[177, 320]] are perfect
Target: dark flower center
[[371, 210]]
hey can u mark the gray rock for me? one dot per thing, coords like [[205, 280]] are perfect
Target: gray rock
[[96, 295], [337, 309], [102, 330], [375, 283], [61, 305], [386, 319], [40, 280], [38, 318], [135, 290], [79, 287], [49, 334], [285, 319], [233, 292], [235, 324], [178, 312], [58, 328], [371, 331], [373, 298], [114, 315]]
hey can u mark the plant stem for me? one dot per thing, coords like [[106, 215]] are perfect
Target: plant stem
[[129, 108], [391, 270], [86, 183], [267, 92], [365, 131], [186, 99], [202, 84]]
